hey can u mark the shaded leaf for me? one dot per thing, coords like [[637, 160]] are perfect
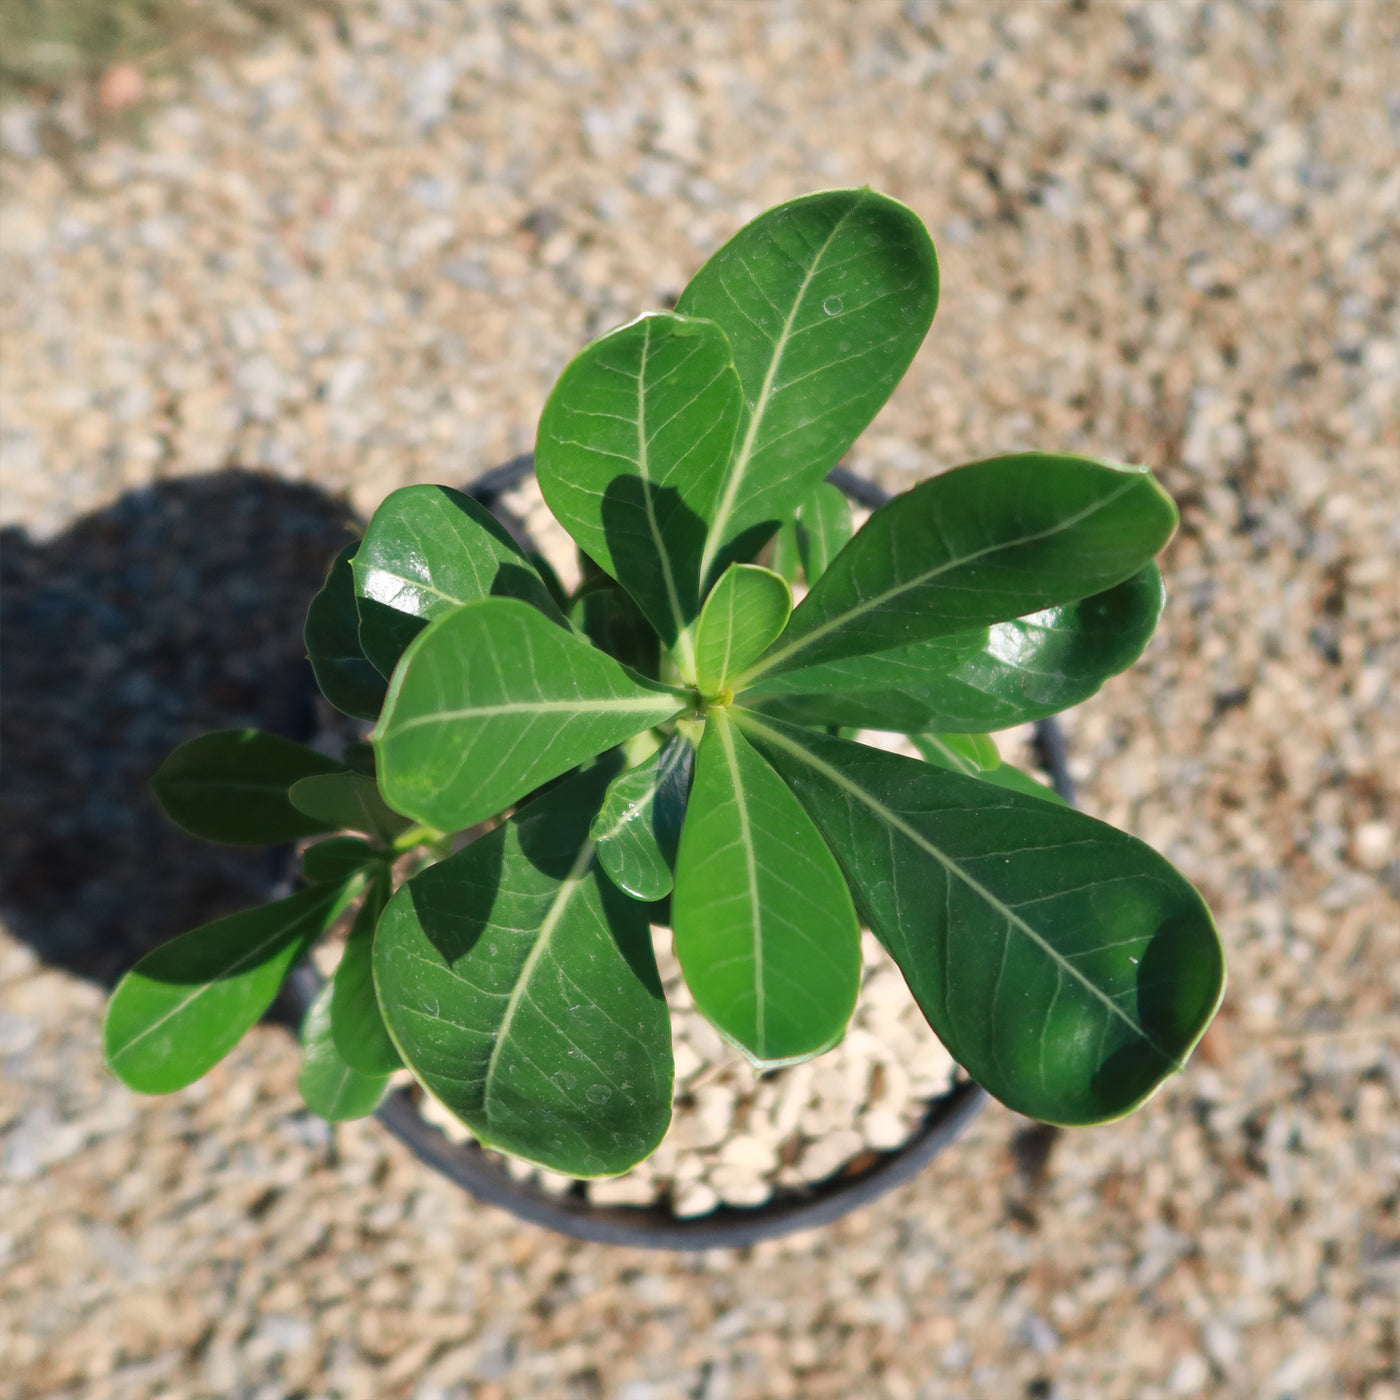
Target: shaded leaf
[[605, 613], [428, 550], [1020, 671], [231, 786], [638, 827], [786, 560], [493, 700], [744, 614], [824, 526], [356, 1023], [631, 449], [335, 861], [1064, 963], [348, 801], [521, 989], [333, 1089], [765, 930], [825, 301], [186, 1004], [980, 544], [344, 674]]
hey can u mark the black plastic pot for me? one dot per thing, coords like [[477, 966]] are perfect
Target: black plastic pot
[[484, 1174]]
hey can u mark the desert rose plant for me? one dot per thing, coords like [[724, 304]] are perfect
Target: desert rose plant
[[677, 742]]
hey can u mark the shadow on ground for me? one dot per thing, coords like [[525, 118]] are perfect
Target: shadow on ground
[[176, 610]]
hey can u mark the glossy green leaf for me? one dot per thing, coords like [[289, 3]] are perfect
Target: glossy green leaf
[[1065, 964], [493, 700], [428, 550], [638, 827], [344, 674], [765, 930], [333, 1089], [825, 301], [186, 1004], [335, 861], [231, 786], [980, 544], [348, 801], [1019, 671], [521, 989], [631, 450], [744, 614], [356, 1023], [824, 526], [968, 754]]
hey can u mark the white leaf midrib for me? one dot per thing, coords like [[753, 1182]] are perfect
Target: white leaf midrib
[[893, 820]]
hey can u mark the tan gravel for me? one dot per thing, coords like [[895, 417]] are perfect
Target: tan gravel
[[1167, 234]]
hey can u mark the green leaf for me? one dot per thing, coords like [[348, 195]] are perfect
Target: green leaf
[[521, 989], [744, 614], [427, 551], [824, 526], [765, 930], [787, 558], [356, 1022], [1065, 964], [969, 754], [884, 691], [345, 675], [1019, 671], [605, 613], [631, 449], [335, 861], [493, 700], [983, 543], [333, 1089], [186, 1004], [638, 827], [825, 301], [348, 801], [231, 786]]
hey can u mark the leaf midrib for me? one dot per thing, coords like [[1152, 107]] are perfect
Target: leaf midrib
[[878, 600], [570, 885], [286, 932], [731, 759], [715, 539], [1013, 919], [664, 706]]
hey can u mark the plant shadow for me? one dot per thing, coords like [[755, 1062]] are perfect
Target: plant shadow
[[174, 611]]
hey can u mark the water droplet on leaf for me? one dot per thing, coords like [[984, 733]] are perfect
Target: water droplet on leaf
[[833, 306], [598, 1093]]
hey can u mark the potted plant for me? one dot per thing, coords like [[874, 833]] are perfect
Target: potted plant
[[676, 741]]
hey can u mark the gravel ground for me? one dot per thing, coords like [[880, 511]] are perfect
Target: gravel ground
[[345, 263]]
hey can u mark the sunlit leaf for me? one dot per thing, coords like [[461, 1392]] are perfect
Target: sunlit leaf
[[428, 550], [631, 451], [980, 544], [185, 1005], [744, 614], [1064, 963], [825, 301], [493, 700], [765, 930], [521, 988]]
